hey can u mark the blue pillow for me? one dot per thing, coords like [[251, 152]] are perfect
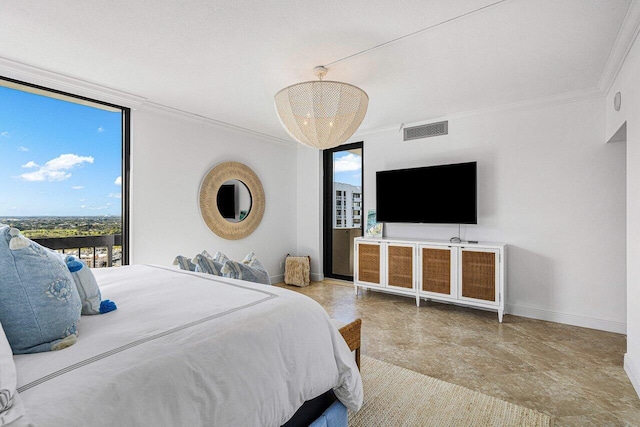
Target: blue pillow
[[88, 288], [205, 264], [40, 305], [250, 269], [218, 257], [184, 263]]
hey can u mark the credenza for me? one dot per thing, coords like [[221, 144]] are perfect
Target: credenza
[[469, 274]]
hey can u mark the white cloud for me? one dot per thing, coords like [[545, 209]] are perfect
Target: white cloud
[[118, 181], [350, 162], [21, 148], [77, 187], [4, 134], [30, 164], [115, 195], [56, 169], [94, 207], [100, 129]]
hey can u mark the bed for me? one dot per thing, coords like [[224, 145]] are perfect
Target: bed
[[192, 349]]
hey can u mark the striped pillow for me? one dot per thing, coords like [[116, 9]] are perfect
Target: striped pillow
[[250, 269], [184, 263], [205, 264]]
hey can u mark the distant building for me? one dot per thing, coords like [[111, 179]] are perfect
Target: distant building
[[347, 201]]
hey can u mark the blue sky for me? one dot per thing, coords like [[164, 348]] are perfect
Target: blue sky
[[58, 158], [347, 168]]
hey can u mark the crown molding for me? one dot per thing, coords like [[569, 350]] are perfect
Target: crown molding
[[627, 35], [38, 76], [76, 86], [531, 104], [195, 118]]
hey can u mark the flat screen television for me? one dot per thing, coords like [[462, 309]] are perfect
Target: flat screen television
[[227, 200], [444, 194]]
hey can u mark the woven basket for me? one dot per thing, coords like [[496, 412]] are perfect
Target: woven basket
[[296, 270]]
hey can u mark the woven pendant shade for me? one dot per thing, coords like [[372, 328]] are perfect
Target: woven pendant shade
[[321, 114]]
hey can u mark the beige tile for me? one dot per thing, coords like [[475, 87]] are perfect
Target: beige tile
[[573, 374]]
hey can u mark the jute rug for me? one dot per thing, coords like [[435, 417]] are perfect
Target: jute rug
[[394, 396]]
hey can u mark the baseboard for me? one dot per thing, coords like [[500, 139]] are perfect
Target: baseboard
[[569, 319], [278, 278], [633, 372]]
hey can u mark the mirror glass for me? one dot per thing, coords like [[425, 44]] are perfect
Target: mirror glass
[[234, 200]]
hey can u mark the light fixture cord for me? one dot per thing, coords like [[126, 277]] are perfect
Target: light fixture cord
[[414, 33]]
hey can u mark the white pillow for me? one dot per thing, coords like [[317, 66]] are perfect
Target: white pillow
[[10, 405]]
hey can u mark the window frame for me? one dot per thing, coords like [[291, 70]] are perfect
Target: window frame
[[126, 148]]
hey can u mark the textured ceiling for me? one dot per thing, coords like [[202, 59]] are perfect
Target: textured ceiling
[[226, 59]]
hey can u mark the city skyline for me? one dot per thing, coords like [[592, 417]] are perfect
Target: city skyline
[[58, 158]]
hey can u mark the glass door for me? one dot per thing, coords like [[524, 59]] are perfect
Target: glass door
[[343, 208]]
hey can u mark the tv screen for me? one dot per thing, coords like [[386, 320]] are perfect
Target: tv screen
[[227, 200], [444, 194]]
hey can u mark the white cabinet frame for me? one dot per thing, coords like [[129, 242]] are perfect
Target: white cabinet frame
[[456, 274]]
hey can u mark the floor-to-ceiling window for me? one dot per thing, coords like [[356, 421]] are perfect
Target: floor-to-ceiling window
[[64, 171], [343, 214]]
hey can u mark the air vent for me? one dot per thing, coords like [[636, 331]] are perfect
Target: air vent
[[426, 131]]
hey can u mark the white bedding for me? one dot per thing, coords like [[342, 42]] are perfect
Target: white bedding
[[188, 349]]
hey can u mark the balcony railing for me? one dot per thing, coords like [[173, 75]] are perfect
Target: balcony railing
[[86, 248]]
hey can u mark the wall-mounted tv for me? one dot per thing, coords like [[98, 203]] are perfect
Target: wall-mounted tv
[[444, 194]]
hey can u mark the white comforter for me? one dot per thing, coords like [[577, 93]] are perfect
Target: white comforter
[[188, 349]]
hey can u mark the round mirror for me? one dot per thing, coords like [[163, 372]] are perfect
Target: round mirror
[[231, 200], [234, 200]]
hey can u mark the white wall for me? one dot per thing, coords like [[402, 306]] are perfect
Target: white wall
[[628, 85], [170, 156], [309, 211], [550, 188]]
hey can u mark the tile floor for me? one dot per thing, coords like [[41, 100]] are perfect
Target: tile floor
[[573, 374]]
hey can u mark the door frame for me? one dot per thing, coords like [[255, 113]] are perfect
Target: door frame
[[328, 208]]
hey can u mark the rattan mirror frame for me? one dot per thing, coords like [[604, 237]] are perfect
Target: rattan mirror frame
[[209, 187]]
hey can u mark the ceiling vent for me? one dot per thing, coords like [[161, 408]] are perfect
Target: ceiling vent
[[426, 131]]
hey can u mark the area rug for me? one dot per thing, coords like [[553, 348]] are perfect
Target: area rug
[[395, 396]]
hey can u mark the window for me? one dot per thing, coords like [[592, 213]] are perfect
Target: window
[[64, 164], [342, 182]]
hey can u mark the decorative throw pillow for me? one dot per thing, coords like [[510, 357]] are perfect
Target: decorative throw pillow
[[40, 305], [250, 269], [206, 264], [184, 263], [219, 257], [88, 288], [10, 405]]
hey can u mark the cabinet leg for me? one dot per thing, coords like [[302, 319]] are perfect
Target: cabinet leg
[[500, 313], [417, 301], [356, 290]]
